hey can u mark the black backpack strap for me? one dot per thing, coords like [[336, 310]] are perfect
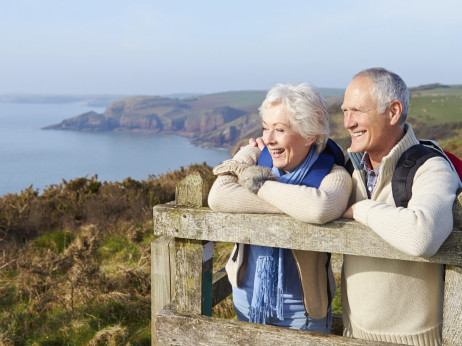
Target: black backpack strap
[[349, 167], [407, 166]]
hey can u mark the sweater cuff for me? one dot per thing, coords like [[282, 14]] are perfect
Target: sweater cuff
[[248, 155], [362, 210]]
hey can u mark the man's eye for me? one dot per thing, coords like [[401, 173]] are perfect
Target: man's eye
[[264, 129], [279, 130]]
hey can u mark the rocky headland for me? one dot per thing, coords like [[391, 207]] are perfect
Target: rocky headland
[[216, 120]]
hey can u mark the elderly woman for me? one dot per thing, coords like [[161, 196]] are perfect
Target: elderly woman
[[299, 172]]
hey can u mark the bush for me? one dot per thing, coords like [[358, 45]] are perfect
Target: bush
[[74, 203], [76, 260]]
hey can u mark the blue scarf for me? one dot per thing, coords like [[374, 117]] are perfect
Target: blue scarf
[[267, 299]]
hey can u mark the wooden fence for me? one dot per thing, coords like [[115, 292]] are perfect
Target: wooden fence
[[184, 291]]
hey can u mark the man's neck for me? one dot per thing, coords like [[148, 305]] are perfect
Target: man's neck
[[376, 158]]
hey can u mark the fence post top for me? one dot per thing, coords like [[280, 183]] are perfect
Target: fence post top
[[193, 190]]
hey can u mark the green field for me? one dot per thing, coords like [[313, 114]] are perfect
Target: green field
[[436, 109], [249, 98], [455, 89]]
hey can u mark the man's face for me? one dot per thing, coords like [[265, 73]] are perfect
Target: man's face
[[369, 130]]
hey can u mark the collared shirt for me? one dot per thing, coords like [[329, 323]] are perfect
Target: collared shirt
[[372, 175]]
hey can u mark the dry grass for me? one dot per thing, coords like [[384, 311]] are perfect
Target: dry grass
[[75, 261]]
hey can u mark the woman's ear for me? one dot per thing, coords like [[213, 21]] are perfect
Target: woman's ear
[[310, 141]]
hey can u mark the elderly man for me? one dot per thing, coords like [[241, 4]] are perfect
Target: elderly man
[[391, 300]]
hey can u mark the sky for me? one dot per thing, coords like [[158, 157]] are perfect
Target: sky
[[156, 47]]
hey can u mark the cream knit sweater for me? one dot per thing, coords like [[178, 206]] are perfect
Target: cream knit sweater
[[301, 202], [391, 300]]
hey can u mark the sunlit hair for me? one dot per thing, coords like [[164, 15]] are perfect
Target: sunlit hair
[[307, 110], [388, 86]]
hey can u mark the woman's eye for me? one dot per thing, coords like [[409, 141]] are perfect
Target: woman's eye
[[279, 130], [264, 129]]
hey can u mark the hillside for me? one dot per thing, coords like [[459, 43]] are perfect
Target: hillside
[[215, 120], [228, 119]]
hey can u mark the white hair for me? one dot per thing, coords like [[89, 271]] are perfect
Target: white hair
[[387, 86], [307, 108]]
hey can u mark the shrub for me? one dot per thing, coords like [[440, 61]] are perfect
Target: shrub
[[76, 260]]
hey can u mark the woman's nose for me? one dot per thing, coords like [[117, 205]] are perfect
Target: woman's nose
[[269, 137]]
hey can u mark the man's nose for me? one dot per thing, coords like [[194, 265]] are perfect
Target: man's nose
[[348, 121]]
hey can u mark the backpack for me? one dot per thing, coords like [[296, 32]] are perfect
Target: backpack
[[408, 164]]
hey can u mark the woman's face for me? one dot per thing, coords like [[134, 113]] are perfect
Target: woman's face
[[287, 146]]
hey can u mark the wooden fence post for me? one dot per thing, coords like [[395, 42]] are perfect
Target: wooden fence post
[[162, 277], [193, 284], [452, 315]]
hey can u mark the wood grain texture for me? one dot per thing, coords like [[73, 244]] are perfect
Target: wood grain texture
[[162, 275], [188, 275], [452, 315], [181, 323], [339, 236], [181, 329], [193, 190]]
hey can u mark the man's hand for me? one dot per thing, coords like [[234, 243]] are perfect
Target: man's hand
[[257, 143], [348, 214]]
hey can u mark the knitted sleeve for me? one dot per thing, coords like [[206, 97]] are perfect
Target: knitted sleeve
[[303, 203], [309, 204], [422, 227]]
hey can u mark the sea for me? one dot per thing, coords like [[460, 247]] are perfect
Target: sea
[[32, 156]]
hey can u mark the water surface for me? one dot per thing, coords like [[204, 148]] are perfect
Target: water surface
[[29, 155]]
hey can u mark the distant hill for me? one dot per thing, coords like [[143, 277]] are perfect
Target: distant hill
[[229, 118], [215, 120]]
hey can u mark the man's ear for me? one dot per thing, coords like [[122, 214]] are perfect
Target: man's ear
[[394, 110]]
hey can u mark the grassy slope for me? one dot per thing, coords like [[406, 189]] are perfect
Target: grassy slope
[[245, 99], [455, 89], [75, 264], [436, 109]]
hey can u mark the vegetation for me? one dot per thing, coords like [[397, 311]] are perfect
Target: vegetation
[[75, 261]]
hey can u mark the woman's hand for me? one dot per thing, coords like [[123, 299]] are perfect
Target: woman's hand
[[230, 167], [257, 143], [253, 177]]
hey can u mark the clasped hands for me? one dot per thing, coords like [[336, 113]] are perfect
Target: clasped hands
[[251, 177]]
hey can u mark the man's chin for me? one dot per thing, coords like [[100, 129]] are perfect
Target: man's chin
[[356, 149]]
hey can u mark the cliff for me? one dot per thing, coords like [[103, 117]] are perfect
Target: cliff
[[217, 120]]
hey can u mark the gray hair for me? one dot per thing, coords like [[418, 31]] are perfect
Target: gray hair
[[387, 86], [308, 111]]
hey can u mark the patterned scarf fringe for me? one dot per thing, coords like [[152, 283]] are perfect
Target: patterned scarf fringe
[[267, 300]]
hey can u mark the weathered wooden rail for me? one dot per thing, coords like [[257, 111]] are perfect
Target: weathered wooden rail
[[183, 290]]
